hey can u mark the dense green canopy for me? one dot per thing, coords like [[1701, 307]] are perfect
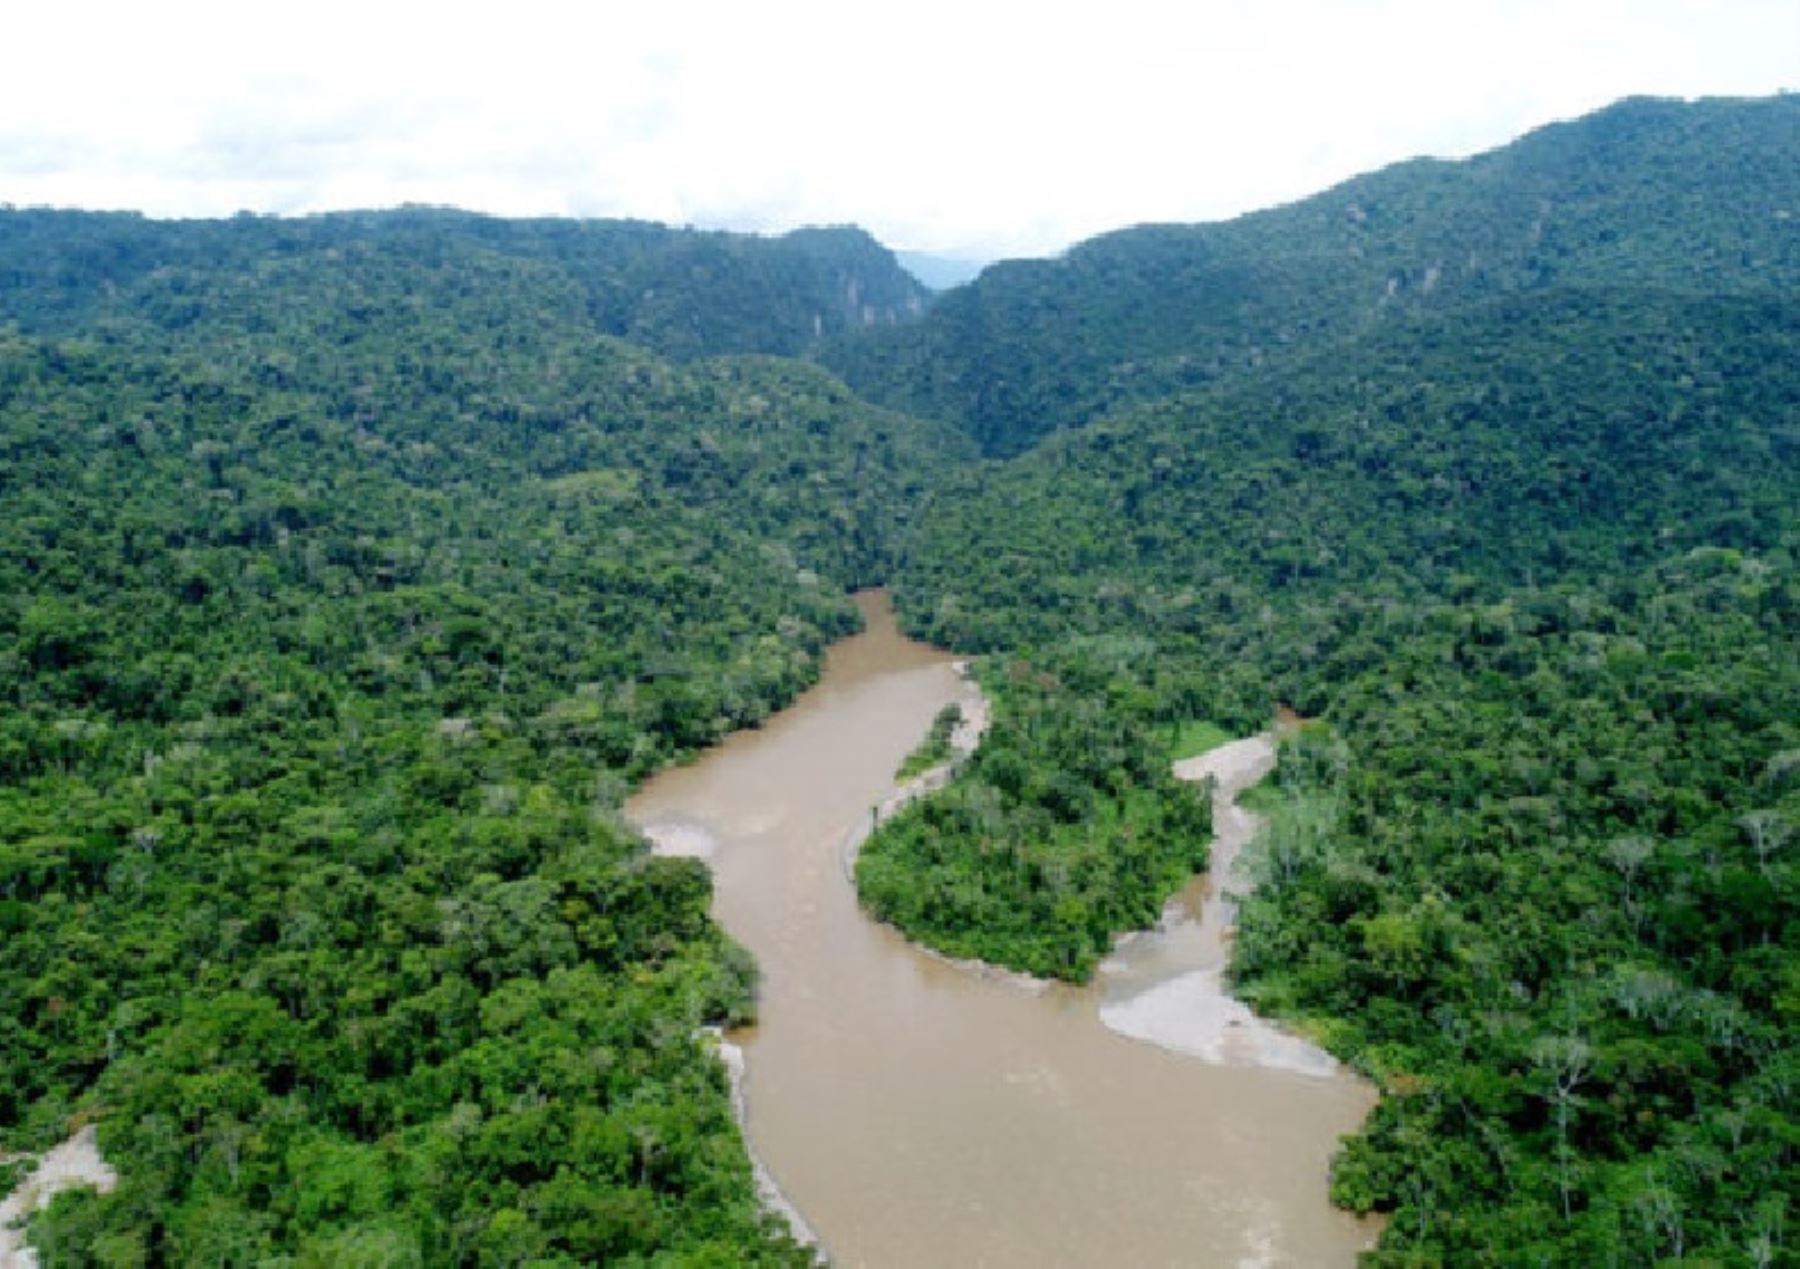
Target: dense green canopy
[[353, 568], [680, 292], [1531, 561], [328, 651], [1700, 198]]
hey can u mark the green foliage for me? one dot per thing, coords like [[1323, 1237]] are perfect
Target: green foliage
[[935, 748], [1191, 738], [680, 292], [1064, 830], [323, 674], [1650, 194], [1505, 445]]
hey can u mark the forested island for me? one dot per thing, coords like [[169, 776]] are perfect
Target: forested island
[[355, 567]]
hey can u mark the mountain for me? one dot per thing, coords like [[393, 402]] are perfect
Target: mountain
[[1513, 536], [354, 566], [1701, 198], [681, 292]]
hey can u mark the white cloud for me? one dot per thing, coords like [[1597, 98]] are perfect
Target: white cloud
[[975, 128]]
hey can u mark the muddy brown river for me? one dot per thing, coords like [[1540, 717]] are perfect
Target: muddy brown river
[[921, 1114]]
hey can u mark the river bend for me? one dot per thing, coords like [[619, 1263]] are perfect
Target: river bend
[[918, 1113]]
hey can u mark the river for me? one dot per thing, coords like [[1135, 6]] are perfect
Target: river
[[921, 1114]]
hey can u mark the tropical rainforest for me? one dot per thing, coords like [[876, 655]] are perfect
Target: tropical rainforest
[[356, 566]]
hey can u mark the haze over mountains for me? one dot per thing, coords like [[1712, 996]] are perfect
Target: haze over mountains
[[354, 565], [940, 272]]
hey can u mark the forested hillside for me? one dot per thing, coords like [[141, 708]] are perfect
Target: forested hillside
[[1568, 433], [683, 293], [353, 567], [329, 653], [1529, 561], [1533, 566], [1700, 198]]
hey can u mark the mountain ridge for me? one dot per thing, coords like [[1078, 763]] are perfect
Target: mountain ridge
[[1032, 346], [685, 293], [356, 566]]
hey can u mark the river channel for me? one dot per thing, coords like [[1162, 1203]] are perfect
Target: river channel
[[918, 1113]]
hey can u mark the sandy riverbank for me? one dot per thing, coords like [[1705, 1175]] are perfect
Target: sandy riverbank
[[1186, 1007], [965, 737], [74, 1163]]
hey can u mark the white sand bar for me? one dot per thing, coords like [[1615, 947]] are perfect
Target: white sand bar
[[75, 1162], [1167, 987]]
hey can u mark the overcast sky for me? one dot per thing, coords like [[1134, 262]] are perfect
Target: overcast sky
[[970, 128]]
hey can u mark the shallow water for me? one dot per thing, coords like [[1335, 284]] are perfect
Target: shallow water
[[1167, 987], [920, 1114]]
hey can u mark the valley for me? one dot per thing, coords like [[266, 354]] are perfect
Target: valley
[[376, 588]]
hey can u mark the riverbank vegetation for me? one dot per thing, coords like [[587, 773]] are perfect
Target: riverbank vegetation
[[321, 692], [1532, 560], [1546, 899], [354, 566], [1064, 830], [935, 749]]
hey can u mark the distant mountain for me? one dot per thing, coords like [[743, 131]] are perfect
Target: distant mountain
[[681, 292], [940, 273], [1701, 197], [353, 565]]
